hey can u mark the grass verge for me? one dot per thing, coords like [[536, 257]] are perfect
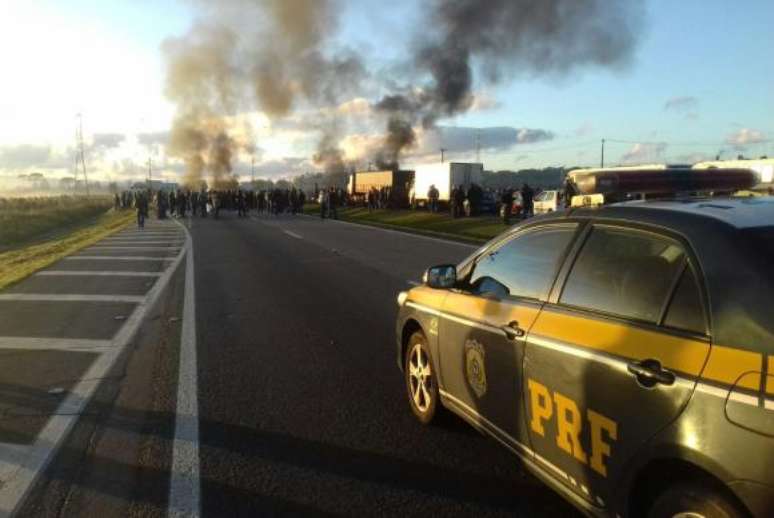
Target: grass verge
[[476, 229], [15, 265], [23, 220]]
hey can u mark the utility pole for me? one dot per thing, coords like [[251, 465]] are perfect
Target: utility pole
[[252, 170], [443, 150], [478, 146], [150, 176], [79, 134], [602, 162]]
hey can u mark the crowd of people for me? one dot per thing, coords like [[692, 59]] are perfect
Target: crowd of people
[[181, 202]]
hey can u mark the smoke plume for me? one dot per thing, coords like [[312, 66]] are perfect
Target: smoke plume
[[507, 38], [282, 56]]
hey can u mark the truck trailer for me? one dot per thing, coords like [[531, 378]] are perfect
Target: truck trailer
[[398, 182], [444, 176]]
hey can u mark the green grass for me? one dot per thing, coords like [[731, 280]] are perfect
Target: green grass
[[23, 220], [20, 263], [476, 229]]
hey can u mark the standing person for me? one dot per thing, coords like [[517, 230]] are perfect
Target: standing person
[[142, 209], [172, 203], [324, 196], [453, 202], [333, 201], [527, 195], [181, 203], [507, 205], [432, 195], [194, 203], [240, 203]]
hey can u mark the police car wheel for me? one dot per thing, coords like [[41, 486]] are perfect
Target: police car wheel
[[420, 379], [693, 501]]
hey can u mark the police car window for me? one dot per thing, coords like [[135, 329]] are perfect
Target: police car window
[[685, 311], [623, 272], [524, 266]]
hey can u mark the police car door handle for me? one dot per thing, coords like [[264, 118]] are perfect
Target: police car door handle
[[513, 331], [649, 372]]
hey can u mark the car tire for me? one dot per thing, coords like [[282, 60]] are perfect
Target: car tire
[[421, 381], [694, 500]]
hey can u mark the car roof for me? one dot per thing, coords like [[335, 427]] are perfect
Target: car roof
[[741, 213]]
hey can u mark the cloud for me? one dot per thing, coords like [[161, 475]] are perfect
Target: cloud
[[279, 168], [745, 137], [153, 138], [645, 152], [584, 129], [681, 104], [483, 101], [27, 156], [108, 140], [462, 139]]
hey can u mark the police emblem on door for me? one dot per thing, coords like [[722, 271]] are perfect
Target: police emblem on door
[[475, 371]]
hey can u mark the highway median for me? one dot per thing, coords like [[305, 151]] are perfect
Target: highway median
[[477, 229]]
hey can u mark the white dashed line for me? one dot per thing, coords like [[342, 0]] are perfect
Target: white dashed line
[[79, 344], [185, 485], [54, 297], [77, 273], [115, 258], [293, 234]]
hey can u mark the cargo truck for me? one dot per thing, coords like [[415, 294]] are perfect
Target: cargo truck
[[445, 176], [398, 182]]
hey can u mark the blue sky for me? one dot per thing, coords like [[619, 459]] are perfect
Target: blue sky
[[711, 58]]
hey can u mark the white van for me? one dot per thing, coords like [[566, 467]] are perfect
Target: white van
[[548, 201]]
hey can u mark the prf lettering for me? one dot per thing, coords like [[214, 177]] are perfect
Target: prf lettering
[[569, 425]]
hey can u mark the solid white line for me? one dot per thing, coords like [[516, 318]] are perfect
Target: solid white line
[[20, 467], [185, 486], [14, 342], [293, 234], [143, 242], [146, 248], [56, 297], [115, 258], [100, 273], [402, 233]]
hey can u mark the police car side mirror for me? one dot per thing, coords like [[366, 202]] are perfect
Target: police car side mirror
[[441, 277]]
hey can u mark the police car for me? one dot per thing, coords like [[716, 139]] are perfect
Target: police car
[[624, 352]]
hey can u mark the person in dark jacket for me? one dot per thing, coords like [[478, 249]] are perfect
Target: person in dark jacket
[[141, 204]]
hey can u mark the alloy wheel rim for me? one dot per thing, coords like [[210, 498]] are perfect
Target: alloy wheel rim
[[420, 378]]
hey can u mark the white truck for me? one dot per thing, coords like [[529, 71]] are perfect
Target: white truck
[[445, 176]]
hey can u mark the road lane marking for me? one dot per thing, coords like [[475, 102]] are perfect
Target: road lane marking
[[293, 234], [56, 297], [115, 258], [79, 344], [119, 242], [96, 273], [414, 283], [147, 248], [184, 485], [402, 233], [20, 466]]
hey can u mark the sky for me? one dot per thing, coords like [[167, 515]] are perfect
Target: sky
[[699, 83]]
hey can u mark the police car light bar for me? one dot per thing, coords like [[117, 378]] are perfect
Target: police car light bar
[[665, 180]]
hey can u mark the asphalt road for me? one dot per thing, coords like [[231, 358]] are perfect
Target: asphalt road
[[302, 410], [302, 407]]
